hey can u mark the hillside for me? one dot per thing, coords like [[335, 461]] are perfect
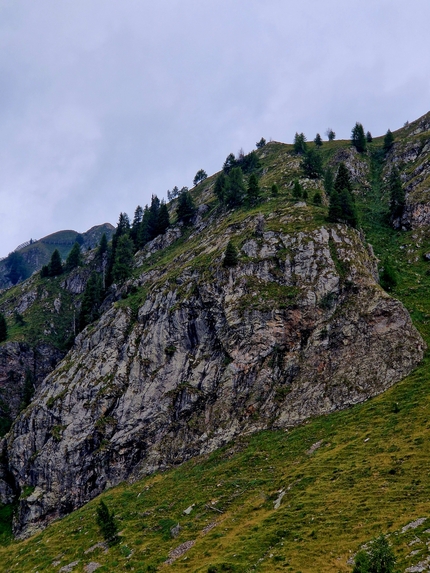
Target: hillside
[[192, 356]]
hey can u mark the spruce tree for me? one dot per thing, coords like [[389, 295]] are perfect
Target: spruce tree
[[220, 188], [144, 235], [254, 192], [74, 258], [200, 176], [388, 141], [397, 194], [369, 137], [312, 164], [349, 210], [358, 139], [137, 220], [236, 190], [330, 134], [163, 220], [123, 263], [91, 301], [335, 208], [186, 209], [342, 180], [317, 200], [229, 163], [297, 189], [329, 181], [299, 144], [28, 389], [230, 256], [106, 522], [275, 190], [261, 143], [3, 328], [153, 217], [55, 266], [318, 141], [103, 246]]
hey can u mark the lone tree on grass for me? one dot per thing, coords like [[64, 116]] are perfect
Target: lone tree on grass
[[230, 256], [106, 522], [330, 134], [388, 141], [318, 141], [358, 139], [201, 175]]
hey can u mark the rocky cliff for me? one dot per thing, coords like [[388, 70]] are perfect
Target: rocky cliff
[[193, 354]]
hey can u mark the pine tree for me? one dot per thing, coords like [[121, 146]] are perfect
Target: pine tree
[[137, 220], [55, 266], [388, 276], [275, 190], [123, 263], [91, 301], [186, 209], [330, 134], [342, 180], [312, 164], [153, 217], [3, 328], [254, 192], [358, 139], [329, 181], [378, 558], [201, 175], [144, 235], [300, 146], [103, 246], [236, 190], [349, 210], [369, 137], [261, 143], [28, 389], [397, 194], [318, 141], [74, 258], [230, 256], [16, 267], [335, 208], [106, 522], [297, 189], [317, 200], [305, 194], [220, 188], [388, 141], [163, 221], [229, 163]]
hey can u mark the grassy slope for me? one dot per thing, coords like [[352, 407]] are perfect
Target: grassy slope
[[370, 474]]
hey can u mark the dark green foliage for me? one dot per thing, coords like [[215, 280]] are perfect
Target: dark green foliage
[[305, 194], [300, 146], [317, 200], [379, 558], [135, 227], [123, 263], [275, 190], [369, 137], [44, 271], [261, 143], [106, 521], [19, 319], [318, 141], [254, 192], [236, 190], [329, 181], [388, 276], [28, 389], [312, 164], [74, 258], [342, 180], [335, 208], [221, 187], [230, 256], [91, 301], [330, 134], [186, 209], [163, 220], [297, 189], [248, 163], [388, 141], [55, 266], [201, 175], [349, 210], [358, 139], [397, 194], [103, 246], [16, 267], [229, 163], [3, 328]]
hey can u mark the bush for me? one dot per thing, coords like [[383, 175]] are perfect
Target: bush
[[379, 558]]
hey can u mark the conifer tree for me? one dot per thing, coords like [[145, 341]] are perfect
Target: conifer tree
[[300, 146], [220, 188], [318, 141], [254, 192], [342, 180], [74, 258], [397, 194], [330, 134], [28, 389], [103, 246], [369, 137], [317, 198], [229, 163], [163, 220], [91, 301], [123, 263], [106, 522], [201, 175], [3, 328], [144, 235], [236, 190], [275, 190], [329, 181], [186, 209], [358, 139], [230, 256], [312, 164], [349, 210], [297, 189], [16, 267], [261, 143], [55, 266], [388, 141], [137, 220]]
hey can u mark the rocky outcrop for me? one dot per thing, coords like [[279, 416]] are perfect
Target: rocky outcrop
[[298, 328]]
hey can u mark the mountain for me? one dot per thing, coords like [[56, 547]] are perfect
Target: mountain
[[36, 253], [189, 355]]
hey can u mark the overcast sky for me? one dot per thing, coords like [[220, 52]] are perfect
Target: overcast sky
[[105, 102]]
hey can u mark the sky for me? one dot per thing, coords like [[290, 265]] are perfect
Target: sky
[[106, 102]]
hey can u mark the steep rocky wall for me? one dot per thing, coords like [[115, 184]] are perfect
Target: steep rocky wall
[[298, 328]]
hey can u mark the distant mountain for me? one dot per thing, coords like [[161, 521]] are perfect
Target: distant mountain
[[36, 253]]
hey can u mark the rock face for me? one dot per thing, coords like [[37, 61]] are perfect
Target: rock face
[[298, 328]]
